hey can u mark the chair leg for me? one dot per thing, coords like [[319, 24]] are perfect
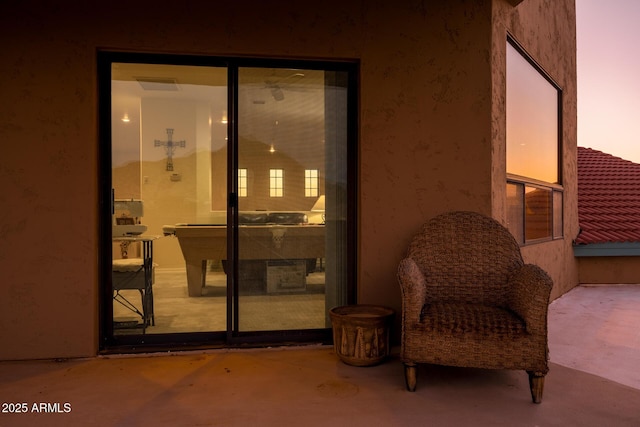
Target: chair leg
[[536, 383], [410, 375]]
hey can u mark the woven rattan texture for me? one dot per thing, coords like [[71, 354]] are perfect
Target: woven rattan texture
[[479, 319], [469, 300]]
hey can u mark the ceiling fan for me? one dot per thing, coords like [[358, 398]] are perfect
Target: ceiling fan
[[276, 86]]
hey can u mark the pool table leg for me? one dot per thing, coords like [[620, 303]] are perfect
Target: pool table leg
[[196, 277]]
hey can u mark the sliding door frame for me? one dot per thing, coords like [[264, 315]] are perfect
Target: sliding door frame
[[112, 343]]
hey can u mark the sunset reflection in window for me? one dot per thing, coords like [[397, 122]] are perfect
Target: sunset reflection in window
[[533, 154], [532, 121]]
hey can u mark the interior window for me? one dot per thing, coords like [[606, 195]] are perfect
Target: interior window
[[311, 183], [276, 183]]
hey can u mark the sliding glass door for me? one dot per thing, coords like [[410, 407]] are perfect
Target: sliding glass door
[[292, 197], [168, 123], [226, 196]]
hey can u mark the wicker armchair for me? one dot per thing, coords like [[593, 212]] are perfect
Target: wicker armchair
[[469, 300]]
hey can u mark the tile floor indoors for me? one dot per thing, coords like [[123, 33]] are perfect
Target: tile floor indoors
[[176, 312], [594, 340]]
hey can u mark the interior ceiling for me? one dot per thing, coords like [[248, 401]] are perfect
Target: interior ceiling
[[290, 100], [183, 74], [191, 80]]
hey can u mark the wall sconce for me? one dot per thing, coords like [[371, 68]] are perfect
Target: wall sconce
[[318, 206], [125, 118]]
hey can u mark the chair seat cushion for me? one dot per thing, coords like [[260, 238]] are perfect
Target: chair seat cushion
[[471, 319]]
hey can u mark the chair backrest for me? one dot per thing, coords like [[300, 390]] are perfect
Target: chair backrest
[[466, 257]]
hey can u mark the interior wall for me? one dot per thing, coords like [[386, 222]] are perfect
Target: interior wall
[[427, 130]]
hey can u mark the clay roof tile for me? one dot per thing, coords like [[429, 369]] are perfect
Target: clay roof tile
[[608, 198]]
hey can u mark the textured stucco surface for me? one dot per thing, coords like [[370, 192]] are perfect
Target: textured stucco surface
[[610, 269], [431, 130], [547, 31]]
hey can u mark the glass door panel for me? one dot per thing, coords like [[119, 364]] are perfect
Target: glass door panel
[[292, 197], [185, 263], [169, 184]]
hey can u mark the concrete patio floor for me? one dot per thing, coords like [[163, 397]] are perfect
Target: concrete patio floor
[[594, 340]]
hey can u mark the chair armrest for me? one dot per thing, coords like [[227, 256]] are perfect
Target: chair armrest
[[413, 286], [530, 289]]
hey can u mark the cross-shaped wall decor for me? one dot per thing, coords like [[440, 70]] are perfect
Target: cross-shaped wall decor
[[170, 147]]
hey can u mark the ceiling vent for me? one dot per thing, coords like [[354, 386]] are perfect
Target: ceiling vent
[[167, 84]]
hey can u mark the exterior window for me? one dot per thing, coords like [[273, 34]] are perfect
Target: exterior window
[[534, 213], [538, 210], [276, 183], [311, 183], [557, 215], [515, 210], [242, 183], [534, 191]]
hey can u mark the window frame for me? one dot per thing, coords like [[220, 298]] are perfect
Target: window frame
[[537, 67], [556, 187]]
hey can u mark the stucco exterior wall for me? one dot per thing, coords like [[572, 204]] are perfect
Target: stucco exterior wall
[[431, 130], [547, 31], [609, 270]]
